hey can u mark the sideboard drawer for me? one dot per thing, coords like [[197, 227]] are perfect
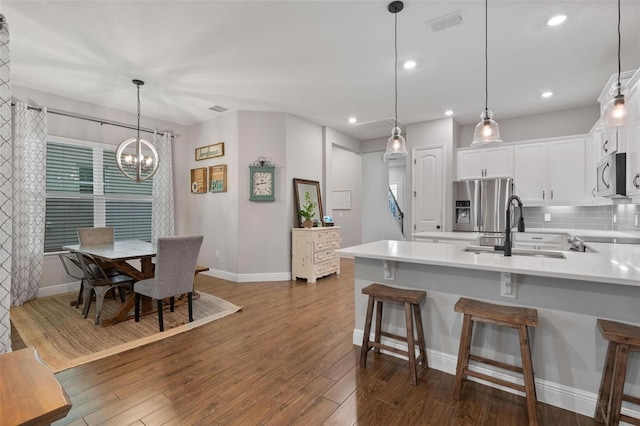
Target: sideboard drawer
[[324, 256], [326, 245], [326, 234]]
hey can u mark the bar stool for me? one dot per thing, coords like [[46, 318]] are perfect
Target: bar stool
[[505, 316], [623, 338], [379, 294]]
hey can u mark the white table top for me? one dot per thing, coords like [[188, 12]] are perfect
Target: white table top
[[119, 250], [614, 263]]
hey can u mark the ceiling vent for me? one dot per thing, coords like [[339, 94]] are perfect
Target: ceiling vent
[[218, 108], [446, 21], [379, 124]]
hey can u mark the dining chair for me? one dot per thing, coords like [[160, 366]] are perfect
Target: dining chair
[[96, 236], [74, 270], [99, 282], [175, 262]]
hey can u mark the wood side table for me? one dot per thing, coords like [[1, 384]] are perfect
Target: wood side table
[[29, 392]]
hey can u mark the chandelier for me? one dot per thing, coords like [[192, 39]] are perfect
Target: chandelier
[[129, 156]]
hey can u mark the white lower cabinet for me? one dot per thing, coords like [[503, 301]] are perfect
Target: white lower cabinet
[[313, 252], [540, 241], [552, 172]]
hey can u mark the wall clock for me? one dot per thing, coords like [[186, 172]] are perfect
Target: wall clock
[[262, 181]]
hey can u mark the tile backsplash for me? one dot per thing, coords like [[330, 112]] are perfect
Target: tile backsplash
[[620, 217]]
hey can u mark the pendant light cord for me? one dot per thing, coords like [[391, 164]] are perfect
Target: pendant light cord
[[138, 111], [395, 67], [619, 42], [486, 57]]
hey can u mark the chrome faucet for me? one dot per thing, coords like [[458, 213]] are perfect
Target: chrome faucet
[[507, 232]]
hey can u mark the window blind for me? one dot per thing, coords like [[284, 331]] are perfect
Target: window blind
[[86, 189]]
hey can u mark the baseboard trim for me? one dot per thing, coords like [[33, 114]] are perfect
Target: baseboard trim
[[246, 278], [54, 290], [551, 393]]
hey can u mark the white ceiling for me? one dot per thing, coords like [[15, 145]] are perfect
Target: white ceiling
[[321, 60]]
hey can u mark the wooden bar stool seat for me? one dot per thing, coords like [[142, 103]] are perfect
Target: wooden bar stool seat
[[623, 338], [505, 316], [380, 294]]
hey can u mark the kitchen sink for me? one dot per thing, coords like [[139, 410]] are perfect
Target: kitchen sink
[[516, 252]]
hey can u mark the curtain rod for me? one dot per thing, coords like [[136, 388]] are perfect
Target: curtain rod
[[95, 120]]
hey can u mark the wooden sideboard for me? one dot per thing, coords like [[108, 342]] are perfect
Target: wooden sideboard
[[313, 252]]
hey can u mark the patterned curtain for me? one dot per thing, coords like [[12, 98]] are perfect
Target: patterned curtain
[[29, 186], [162, 223], [5, 189]]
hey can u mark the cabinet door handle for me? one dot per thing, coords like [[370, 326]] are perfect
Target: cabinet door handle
[[635, 181], [552, 194], [593, 193], [604, 146], [543, 195]]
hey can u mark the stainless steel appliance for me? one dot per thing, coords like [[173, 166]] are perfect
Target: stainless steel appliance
[[480, 206], [611, 176]]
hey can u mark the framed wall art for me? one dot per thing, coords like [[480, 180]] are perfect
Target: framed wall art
[[210, 151], [218, 178], [199, 180]]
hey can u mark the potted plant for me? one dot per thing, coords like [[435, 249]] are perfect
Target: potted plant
[[307, 210]]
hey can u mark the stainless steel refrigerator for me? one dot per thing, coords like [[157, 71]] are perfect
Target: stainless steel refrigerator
[[480, 205]]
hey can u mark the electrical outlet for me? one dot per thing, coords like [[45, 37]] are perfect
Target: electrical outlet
[[547, 217], [217, 253], [615, 218]]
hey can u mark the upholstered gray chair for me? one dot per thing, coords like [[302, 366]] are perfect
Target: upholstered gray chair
[[174, 274], [97, 281], [95, 236]]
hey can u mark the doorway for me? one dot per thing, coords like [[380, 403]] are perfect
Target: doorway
[[428, 189]]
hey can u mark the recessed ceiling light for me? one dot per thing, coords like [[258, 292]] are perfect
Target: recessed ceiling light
[[557, 20], [353, 120], [410, 65], [448, 112], [547, 94]]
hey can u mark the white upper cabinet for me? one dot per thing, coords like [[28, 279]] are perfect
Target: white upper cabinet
[[529, 180], [485, 163], [551, 172]]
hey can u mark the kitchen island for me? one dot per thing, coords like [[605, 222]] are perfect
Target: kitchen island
[[570, 293]]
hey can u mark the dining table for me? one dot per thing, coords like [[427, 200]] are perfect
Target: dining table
[[118, 255]]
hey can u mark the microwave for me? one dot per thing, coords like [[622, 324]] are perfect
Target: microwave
[[610, 176]]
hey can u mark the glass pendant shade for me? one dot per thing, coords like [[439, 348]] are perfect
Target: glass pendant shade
[[396, 145], [487, 131], [619, 110]]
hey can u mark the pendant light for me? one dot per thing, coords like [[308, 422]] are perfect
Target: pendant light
[[487, 131], [137, 167], [396, 145], [618, 111]]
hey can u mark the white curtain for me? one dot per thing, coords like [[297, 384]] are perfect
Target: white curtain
[[29, 190], [6, 190], [162, 219]]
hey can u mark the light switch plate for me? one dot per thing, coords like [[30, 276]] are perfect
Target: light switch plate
[[547, 217]]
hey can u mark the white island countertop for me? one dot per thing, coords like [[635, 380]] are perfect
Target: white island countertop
[[613, 263], [574, 232]]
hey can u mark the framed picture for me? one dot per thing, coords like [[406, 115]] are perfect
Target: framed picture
[[341, 199], [218, 178], [210, 151], [261, 183], [199, 180]]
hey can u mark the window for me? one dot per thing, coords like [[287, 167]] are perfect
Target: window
[[86, 189]]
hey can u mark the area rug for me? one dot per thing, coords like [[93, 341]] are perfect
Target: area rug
[[64, 339]]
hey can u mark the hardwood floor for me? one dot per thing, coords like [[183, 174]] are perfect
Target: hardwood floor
[[286, 358]]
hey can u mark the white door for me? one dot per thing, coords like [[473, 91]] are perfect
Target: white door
[[428, 189]]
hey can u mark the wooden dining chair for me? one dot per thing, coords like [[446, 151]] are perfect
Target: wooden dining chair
[[175, 262], [99, 282]]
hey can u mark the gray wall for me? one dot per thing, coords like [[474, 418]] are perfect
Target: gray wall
[[346, 174]]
